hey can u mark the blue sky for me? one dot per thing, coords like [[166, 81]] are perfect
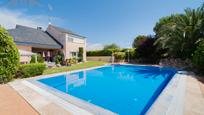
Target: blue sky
[[101, 21]]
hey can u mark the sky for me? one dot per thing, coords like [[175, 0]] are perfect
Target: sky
[[101, 21]]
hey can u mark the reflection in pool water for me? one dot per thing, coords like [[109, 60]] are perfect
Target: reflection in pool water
[[123, 89]]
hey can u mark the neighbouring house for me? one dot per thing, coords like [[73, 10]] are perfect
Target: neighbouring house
[[48, 43]]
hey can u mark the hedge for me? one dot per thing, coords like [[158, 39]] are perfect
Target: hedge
[[9, 57], [30, 70], [99, 53]]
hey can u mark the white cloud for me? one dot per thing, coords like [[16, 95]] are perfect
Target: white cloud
[[95, 46], [9, 19]]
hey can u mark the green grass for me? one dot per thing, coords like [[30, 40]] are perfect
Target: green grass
[[73, 67]]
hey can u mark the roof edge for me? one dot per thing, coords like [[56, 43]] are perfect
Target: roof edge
[[66, 31], [54, 39]]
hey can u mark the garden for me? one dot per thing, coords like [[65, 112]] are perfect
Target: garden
[[178, 41]]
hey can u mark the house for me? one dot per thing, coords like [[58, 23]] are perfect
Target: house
[[47, 43]]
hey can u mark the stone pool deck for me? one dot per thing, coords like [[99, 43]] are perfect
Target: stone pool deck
[[182, 96], [18, 97], [194, 98], [11, 103]]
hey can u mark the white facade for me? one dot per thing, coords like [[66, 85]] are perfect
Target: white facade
[[71, 42]]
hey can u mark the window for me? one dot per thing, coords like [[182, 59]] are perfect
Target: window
[[74, 54]]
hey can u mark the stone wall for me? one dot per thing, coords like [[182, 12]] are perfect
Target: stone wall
[[176, 63], [99, 58]]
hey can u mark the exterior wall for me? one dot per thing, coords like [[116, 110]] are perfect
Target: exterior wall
[[60, 37], [52, 52], [74, 45], [71, 43], [26, 48], [99, 58], [25, 59]]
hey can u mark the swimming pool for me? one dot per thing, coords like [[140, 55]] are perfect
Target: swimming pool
[[122, 89]]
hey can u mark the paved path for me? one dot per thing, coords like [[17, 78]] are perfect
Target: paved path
[[11, 103], [194, 98]]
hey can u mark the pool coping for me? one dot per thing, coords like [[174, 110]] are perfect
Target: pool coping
[[92, 109], [171, 99]]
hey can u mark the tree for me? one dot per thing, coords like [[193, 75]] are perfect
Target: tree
[[138, 41], [9, 56], [111, 47], [198, 58], [181, 33], [146, 48]]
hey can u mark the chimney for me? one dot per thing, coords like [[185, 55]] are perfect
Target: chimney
[[39, 28]]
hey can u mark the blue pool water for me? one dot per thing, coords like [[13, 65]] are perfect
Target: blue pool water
[[123, 89]]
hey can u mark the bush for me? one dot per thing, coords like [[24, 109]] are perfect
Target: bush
[[198, 58], [40, 59], [9, 57], [30, 70], [71, 61], [99, 53], [119, 55], [59, 58]]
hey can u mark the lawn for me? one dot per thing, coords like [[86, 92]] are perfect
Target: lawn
[[73, 67]]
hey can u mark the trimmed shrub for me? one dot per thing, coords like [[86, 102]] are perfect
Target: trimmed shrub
[[80, 55], [99, 53], [30, 70], [39, 59], [9, 57], [198, 58]]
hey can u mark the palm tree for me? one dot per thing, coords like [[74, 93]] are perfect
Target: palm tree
[[180, 33]]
